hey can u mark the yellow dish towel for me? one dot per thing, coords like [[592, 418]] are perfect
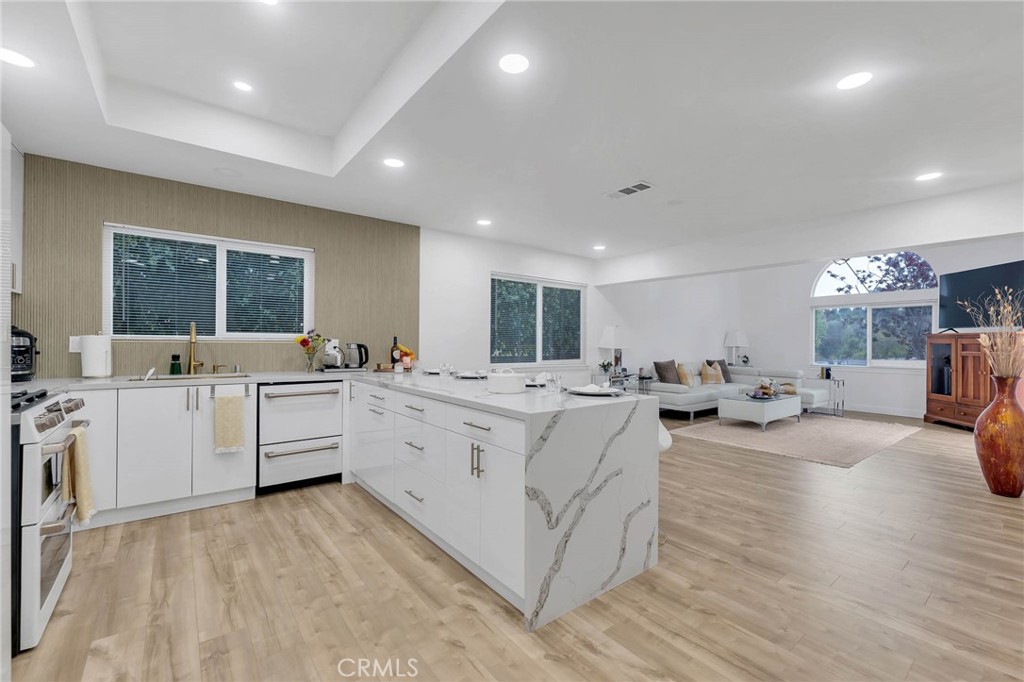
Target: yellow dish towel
[[228, 424], [76, 477]]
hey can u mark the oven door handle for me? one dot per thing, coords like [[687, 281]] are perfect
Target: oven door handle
[[58, 448], [61, 526]]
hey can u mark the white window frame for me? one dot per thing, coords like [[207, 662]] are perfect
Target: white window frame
[[223, 245], [539, 339], [889, 299]]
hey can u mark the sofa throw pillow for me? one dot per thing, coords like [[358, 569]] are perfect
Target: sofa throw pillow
[[711, 374], [726, 376], [666, 371], [685, 376], [788, 389]]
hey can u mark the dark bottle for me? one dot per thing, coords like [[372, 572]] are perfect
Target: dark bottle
[[396, 353], [175, 364]]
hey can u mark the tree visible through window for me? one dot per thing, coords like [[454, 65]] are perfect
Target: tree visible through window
[[527, 316], [871, 330]]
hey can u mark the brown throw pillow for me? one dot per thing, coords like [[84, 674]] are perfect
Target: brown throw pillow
[[666, 371], [685, 378], [711, 374], [726, 376], [788, 389]]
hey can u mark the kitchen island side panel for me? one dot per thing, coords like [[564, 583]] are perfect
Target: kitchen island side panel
[[591, 504]]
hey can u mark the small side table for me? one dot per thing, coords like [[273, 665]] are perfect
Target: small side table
[[836, 396]]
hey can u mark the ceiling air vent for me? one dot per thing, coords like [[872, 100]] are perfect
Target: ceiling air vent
[[632, 189]]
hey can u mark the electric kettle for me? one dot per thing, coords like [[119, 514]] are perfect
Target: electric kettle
[[356, 355]]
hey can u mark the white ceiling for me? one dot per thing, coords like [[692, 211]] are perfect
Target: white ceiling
[[730, 109]]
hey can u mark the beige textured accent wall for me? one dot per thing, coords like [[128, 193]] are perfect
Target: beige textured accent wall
[[367, 270]]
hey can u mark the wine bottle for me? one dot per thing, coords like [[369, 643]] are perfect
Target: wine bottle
[[396, 353]]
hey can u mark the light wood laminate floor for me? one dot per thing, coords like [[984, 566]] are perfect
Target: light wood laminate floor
[[903, 567]]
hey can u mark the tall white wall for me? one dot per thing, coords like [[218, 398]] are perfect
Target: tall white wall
[[686, 319], [455, 296]]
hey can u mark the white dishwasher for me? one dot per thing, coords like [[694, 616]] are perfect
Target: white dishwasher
[[300, 432]]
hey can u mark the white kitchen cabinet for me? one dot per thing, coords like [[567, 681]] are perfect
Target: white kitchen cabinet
[[461, 517], [154, 445], [100, 408], [214, 472], [373, 453], [503, 515], [17, 217], [165, 444]]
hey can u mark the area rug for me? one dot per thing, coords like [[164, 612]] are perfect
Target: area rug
[[836, 441]]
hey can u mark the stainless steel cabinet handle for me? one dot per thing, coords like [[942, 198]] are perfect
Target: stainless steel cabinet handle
[[188, 399], [351, 391], [409, 493], [413, 407], [413, 445], [286, 453], [331, 391], [57, 448], [377, 397], [477, 426], [479, 469], [376, 411], [197, 399], [63, 525], [472, 459]]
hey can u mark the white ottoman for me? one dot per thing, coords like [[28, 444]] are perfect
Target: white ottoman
[[758, 411]]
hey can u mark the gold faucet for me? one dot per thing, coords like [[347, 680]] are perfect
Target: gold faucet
[[217, 368], [193, 364]]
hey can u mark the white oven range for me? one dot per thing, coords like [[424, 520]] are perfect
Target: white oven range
[[41, 552]]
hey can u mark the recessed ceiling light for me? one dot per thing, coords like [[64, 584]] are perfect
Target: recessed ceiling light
[[854, 80], [394, 163], [928, 176], [483, 222], [15, 58], [514, 63], [243, 86], [227, 172], [599, 247], [269, 2]]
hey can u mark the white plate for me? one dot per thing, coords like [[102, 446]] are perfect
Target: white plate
[[603, 392], [470, 375]]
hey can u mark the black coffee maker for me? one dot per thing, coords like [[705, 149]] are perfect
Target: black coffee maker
[[23, 355]]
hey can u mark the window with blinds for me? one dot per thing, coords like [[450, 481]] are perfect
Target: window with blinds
[[530, 317], [157, 283]]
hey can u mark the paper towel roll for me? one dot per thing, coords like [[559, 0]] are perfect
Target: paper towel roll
[[96, 360]]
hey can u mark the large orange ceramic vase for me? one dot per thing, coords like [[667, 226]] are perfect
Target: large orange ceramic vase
[[999, 440]]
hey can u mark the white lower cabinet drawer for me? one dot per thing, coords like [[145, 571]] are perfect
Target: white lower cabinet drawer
[[504, 432], [420, 445], [419, 408], [372, 418], [300, 411], [420, 496], [299, 460]]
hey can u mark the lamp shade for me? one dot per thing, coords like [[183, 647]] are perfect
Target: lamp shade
[[735, 339], [607, 339]]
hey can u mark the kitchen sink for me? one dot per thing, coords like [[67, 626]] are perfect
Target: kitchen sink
[[192, 377]]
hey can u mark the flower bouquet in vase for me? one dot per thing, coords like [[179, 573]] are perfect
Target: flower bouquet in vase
[[311, 342], [999, 430]]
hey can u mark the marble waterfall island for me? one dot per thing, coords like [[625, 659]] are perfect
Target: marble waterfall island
[[551, 499]]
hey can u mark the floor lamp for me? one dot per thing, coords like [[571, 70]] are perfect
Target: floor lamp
[[734, 340]]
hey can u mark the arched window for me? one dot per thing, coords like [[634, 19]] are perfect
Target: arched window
[[874, 310]]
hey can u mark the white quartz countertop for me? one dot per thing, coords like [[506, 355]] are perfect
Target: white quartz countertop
[[473, 393], [64, 385]]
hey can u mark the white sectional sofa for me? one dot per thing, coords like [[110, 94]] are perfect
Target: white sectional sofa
[[705, 396]]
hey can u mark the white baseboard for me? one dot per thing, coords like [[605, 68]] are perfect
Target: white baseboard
[[884, 409], [109, 517]]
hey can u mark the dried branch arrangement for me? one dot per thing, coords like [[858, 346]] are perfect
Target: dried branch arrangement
[[1003, 314]]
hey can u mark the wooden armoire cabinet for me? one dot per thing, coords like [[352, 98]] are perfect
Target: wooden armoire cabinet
[[958, 382]]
